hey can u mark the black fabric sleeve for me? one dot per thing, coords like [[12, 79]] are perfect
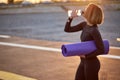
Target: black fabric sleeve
[[98, 42], [69, 28]]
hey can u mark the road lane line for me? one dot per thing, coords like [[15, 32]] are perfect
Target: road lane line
[[118, 39], [49, 49], [4, 36], [30, 46], [110, 56], [115, 48]]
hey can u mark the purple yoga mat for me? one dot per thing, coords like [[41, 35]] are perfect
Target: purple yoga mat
[[82, 48]]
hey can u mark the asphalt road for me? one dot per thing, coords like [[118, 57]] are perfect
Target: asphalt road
[[50, 26], [44, 64]]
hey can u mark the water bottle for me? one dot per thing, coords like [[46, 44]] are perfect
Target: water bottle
[[79, 12]]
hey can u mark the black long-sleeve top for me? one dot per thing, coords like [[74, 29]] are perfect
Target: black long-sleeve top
[[88, 33]]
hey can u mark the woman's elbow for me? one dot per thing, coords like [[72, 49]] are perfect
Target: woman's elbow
[[66, 30]]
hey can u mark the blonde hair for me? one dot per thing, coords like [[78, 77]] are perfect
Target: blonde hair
[[94, 14]]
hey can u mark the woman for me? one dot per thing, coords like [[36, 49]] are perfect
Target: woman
[[90, 65]]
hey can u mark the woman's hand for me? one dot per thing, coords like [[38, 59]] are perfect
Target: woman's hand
[[82, 56], [74, 14], [82, 13]]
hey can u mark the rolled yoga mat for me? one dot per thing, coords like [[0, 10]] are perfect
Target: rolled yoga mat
[[82, 48]]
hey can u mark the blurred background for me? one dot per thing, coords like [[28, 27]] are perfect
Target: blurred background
[[40, 1], [45, 19]]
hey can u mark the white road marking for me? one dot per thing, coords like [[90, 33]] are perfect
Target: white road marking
[[118, 39], [50, 49], [4, 36], [114, 47], [110, 56], [30, 46]]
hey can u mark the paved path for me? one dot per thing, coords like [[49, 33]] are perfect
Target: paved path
[[49, 65]]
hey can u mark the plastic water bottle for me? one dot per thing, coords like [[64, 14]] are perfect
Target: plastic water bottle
[[79, 12]]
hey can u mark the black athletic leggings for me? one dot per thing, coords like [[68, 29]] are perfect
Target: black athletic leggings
[[88, 69]]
